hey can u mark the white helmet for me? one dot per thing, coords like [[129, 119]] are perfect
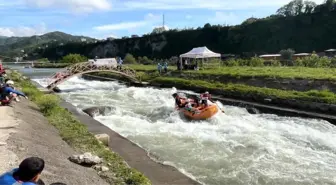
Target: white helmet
[[10, 82], [206, 92]]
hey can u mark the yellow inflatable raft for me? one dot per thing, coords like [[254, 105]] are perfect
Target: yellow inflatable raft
[[201, 112]]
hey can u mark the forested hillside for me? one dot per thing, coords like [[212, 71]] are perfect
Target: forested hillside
[[300, 25], [12, 46]]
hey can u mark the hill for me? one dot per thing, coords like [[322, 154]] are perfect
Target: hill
[[302, 26], [12, 46]]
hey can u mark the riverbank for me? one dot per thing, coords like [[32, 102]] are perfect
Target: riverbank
[[29, 134], [77, 136]]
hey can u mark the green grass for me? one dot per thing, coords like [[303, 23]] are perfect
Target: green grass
[[272, 72], [140, 67], [265, 72], [244, 90], [77, 135]]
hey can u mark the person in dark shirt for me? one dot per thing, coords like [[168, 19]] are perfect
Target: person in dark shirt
[[28, 173]]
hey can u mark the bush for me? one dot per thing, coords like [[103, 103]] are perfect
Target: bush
[[47, 103], [314, 61], [287, 54], [255, 62], [74, 58], [144, 60], [129, 59], [230, 62]]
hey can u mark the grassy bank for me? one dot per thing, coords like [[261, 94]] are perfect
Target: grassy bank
[[244, 90], [77, 135], [265, 72]]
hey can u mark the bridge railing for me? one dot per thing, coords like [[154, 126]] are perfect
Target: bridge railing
[[85, 67]]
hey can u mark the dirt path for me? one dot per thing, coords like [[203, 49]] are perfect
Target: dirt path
[[34, 136]]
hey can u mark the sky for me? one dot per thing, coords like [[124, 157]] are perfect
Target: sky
[[117, 18]]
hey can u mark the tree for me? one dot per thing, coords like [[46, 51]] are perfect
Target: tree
[[249, 21], [129, 59], [309, 7], [207, 25], [296, 7], [287, 54], [74, 58], [144, 60], [327, 6]]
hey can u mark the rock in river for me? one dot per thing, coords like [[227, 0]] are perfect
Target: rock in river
[[252, 110], [101, 110]]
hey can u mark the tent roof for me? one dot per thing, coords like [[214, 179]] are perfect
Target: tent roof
[[200, 52]]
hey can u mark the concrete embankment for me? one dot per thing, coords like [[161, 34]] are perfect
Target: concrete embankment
[[273, 106], [25, 132]]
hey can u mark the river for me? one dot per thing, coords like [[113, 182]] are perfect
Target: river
[[235, 148]]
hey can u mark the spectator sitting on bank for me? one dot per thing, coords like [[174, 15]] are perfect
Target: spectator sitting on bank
[[28, 173], [7, 93]]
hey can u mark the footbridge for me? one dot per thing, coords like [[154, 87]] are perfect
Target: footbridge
[[89, 67]]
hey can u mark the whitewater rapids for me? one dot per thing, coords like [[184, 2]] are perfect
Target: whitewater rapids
[[235, 148]]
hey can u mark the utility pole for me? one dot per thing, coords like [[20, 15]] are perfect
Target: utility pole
[[163, 21]]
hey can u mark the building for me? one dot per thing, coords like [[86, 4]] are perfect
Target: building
[[330, 52], [278, 56], [270, 57], [300, 55]]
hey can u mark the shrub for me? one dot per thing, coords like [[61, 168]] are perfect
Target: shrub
[[129, 59], [255, 62], [287, 54], [47, 103], [314, 61], [74, 58], [230, 62]]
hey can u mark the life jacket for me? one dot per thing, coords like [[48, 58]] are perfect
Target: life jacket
[[205, 96], [8, 179]]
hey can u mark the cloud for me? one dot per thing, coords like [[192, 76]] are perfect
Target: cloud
[[202, 4], [149, 19], [76, 6], [188, 17], [23, 31]]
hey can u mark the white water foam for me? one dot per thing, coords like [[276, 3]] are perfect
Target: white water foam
[[235, 148]]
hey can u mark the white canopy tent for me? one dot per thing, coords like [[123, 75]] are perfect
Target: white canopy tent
[[200, 52]]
